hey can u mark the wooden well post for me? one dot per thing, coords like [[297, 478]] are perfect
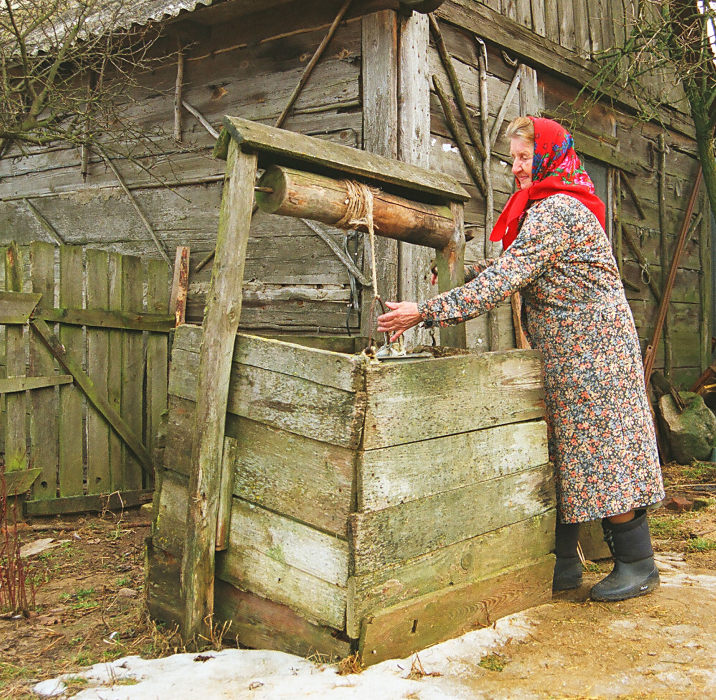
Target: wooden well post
[[410, 203]]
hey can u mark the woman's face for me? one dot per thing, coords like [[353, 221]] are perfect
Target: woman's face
[[522, 153]]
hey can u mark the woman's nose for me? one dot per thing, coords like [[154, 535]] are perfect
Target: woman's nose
[[515, 168]]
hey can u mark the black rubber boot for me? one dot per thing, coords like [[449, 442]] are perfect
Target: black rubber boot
[[634, 572], [568, 567]]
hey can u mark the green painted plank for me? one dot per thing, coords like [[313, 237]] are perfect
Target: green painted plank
[[15, 384], [98, 431], [15, 406], [280, 145], [93, 503], [132, 368], [17, 482], [16, 307], [70, 413], [44, 427]]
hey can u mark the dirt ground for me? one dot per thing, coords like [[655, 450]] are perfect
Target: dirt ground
[[89, 609]]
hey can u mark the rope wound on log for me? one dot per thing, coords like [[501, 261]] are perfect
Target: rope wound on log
[[359, 212]]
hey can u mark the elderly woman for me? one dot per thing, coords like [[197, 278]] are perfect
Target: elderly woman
[[601, 436]]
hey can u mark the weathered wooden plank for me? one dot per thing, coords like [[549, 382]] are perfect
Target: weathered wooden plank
[[455, 565], [161, 583], [180, 285], [102, 318], [287, 562], [16, 307], [279, 143], [538, 17], [379, 86], [403, 629], [94, 503], [392, 535], [264, 624], [44, 435], [393, 475], [566, 23], [280, 400], [305, 479], [156, 369], [132, 369], [450, 395], [19, 481], [15, 404], [98, 463], [450, 262], [15, 384], [705, 323], [169, 527], [325, 367], [114, 370], [551, 18], [414, 147], [220, 324], [581, 28], [71, 460]]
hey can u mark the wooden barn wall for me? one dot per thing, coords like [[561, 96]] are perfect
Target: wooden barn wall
[[618, 143], [293, 280]]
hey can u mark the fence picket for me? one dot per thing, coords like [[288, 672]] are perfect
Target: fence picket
[[132, 367], [44, 433], [98, 465], [15, 406], [114, 371], [157, 360], [71, 464]]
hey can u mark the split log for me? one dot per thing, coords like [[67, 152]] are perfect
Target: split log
[[310, 196]]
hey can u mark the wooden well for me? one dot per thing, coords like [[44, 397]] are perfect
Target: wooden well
[[377, 508]]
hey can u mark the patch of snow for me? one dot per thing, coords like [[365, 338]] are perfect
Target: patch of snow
[[50, 689], [275, 675]]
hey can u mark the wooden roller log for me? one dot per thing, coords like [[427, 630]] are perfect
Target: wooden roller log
[[291, 192]]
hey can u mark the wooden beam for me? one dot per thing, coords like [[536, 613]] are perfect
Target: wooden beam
[[307, 195], [99, 401], [46, 225], [17, 307], [221, 322], [379, 76], [100, 318], [180, 286], [119, 500], [451, 274], [278, 145], [15, 384], [17, 482], [414, 147]]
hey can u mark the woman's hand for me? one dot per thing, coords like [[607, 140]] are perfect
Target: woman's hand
[[402, 316]]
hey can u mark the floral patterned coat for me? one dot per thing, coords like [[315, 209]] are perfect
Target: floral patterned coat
[[601, 435]]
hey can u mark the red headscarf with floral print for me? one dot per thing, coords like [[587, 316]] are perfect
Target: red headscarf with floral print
[[556, 168]]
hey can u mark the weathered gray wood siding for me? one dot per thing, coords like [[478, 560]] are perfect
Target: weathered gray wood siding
[[293, 278], [611, 139]]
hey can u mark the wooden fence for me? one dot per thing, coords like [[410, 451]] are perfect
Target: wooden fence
[[86, 347]]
